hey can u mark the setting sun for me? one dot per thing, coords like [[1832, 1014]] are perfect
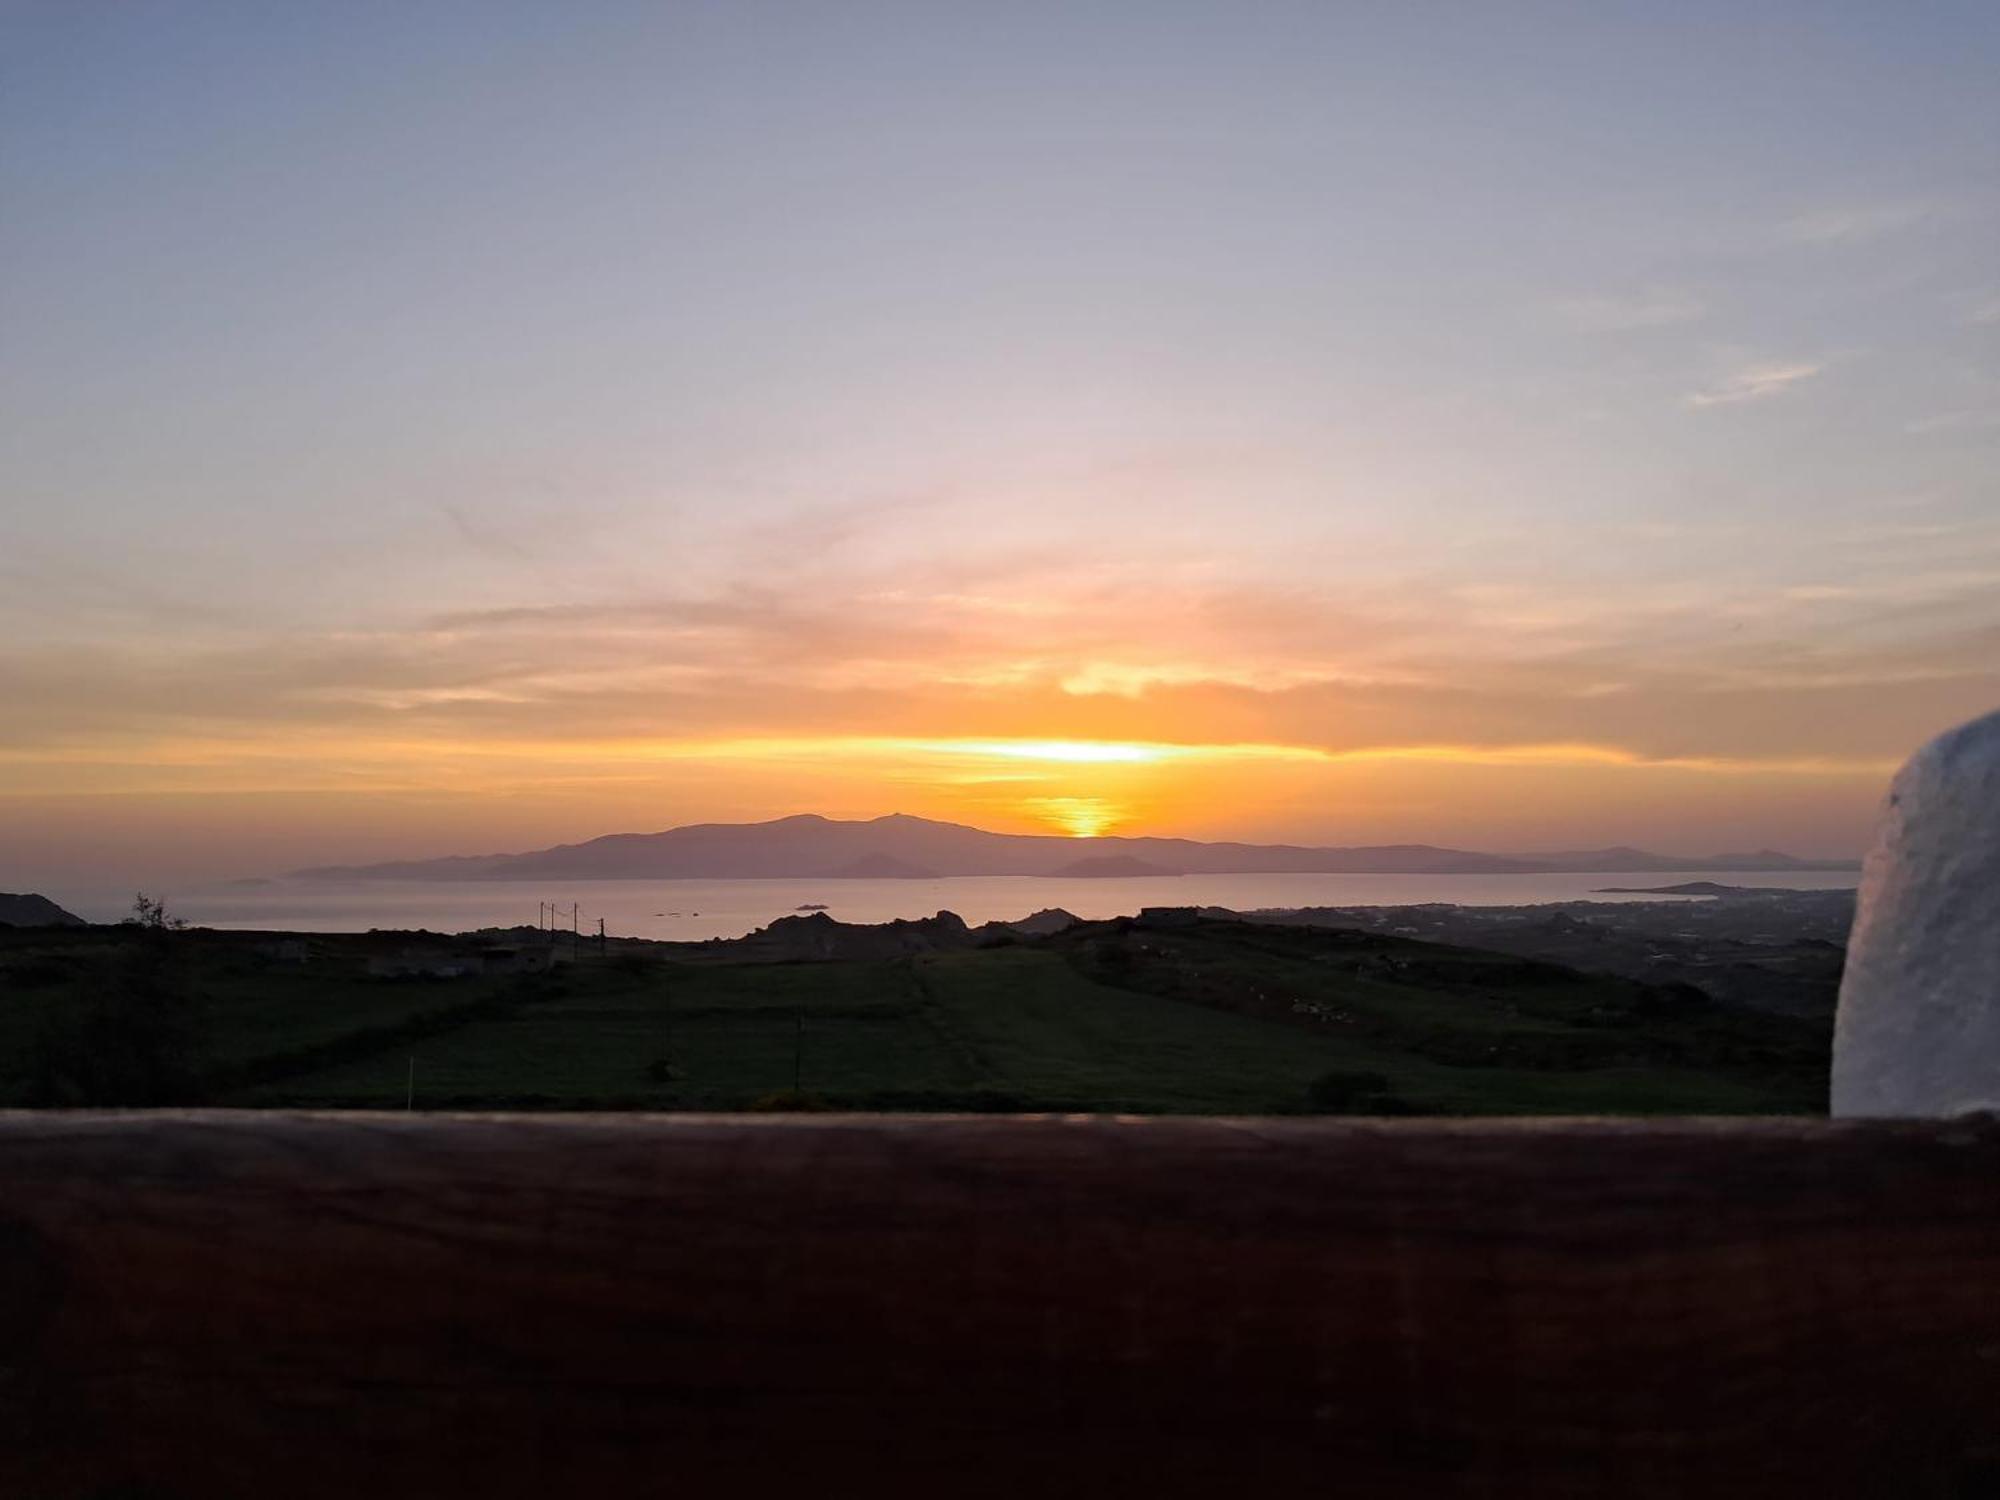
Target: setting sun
[[1079, 817]]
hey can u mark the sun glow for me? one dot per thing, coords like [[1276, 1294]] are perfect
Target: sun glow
[[1079, 817], [1072, 752]]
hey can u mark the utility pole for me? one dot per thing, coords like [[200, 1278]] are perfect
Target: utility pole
[[600, 937]]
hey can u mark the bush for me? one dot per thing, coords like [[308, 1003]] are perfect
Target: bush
[[150, 912], [1112, 955], [135, 1040]]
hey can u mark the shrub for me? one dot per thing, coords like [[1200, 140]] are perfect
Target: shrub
[[134, 1040], [150, 912], [1112, 955]]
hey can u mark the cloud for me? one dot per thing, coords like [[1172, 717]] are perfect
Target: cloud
[[1858, 641], [1774, 691], [1755, 382], [487, 539]]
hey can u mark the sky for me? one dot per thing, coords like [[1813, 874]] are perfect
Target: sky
[[436, 428]]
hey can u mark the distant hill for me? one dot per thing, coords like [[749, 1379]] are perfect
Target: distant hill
[[1695, 888], [1110, 866], [881, 867], [810, 846], [29, 910]]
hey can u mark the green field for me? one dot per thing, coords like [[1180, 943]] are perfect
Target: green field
[[1216, 1018]]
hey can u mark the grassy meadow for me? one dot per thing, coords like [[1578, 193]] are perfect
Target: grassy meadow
[[1215, 1017]]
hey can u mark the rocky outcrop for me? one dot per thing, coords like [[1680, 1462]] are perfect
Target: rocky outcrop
[[821, 937], [1049, 919]]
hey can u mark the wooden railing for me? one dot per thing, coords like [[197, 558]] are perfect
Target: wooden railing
[[284, 1305]]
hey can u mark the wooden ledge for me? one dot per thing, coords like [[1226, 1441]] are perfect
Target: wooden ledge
[[226, 1303]]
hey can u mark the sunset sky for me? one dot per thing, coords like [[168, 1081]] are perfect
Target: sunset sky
[[451, 428]]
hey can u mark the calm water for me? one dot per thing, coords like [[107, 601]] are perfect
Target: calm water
[[692, 909]]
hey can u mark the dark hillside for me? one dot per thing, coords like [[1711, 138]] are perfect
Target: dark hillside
[[1174, 1013], [1465, 1008], [29, 910]]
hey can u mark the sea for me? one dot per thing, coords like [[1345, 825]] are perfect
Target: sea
[[692, 910]]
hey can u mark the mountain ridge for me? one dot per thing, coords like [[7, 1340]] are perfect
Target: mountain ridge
[[810, 846], [30, 909]]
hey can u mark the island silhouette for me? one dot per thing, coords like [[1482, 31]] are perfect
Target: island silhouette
[[898, 846]]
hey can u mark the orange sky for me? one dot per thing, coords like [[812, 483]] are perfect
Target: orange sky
[[429, 434], [1148, 693]]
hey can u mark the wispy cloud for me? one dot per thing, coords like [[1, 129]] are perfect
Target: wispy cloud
[[1754, 383], [485, 537]]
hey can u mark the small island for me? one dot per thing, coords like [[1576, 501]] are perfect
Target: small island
[[1694, 888]]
